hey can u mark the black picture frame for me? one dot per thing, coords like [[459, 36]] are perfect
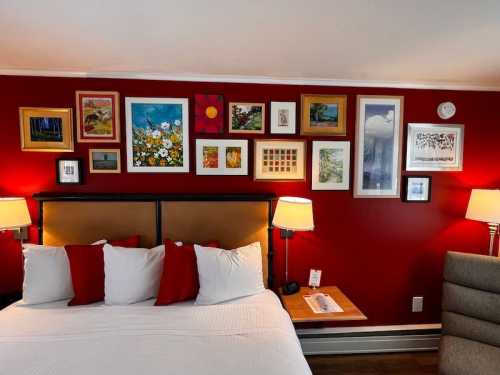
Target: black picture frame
[[79, 162], [406, 182]]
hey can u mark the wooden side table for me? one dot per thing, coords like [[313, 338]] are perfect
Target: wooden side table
[[300, 312]]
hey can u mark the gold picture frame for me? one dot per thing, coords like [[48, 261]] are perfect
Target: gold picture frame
[[46, 129], [280, 160], [330, 121], [105, 163]]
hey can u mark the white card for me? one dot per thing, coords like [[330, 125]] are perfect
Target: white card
[[314, 278]]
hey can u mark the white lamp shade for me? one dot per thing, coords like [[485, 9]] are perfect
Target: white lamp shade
[[484, 205], [294, 214], [14, 213]]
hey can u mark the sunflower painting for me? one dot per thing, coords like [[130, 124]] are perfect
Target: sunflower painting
[[157, 135], [208, 117]]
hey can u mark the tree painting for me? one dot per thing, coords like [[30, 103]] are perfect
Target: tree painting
[[330, 166], [323, 115], [46, 129], [246, 117]]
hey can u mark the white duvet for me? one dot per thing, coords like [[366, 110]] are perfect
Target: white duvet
[[253, 335]]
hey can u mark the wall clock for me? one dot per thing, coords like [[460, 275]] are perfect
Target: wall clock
[[446, 110]]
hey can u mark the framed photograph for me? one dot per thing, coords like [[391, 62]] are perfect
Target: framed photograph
[[433, 147], [104, 160], [69, 171], [46, 129], [417, 189], [323, 114], [283, 117], [330, 165], [379, 129], [157, 134], [279, 160], [209, 114], [98, 116], [221, 157], [247, 118]]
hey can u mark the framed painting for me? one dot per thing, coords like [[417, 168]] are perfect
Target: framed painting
[[46, 129], [104, 160], [433, 147], [323, 114], [157, 134], [69, 171], [209, 114], [247, 118], [279, 160], [98, 116], [417, 189], [330, 165], [224, 157], [379, 129], [283, 117]]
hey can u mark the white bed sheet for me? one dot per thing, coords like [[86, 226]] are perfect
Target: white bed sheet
[[251, 335]]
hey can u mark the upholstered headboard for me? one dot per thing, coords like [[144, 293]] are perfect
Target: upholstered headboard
[[233, 220]]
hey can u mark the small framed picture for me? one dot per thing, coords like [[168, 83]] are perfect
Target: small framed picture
[[323, 115], [248, 118], [69, 171], [279, 160], [104, 160], [221, 157], [208, 114], [283, 117], [97, 116], [417, 189], [330, 165]]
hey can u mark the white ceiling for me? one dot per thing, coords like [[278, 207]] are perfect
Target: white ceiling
[[439, 43]]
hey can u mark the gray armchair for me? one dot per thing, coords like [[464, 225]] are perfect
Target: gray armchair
[[470, 344]]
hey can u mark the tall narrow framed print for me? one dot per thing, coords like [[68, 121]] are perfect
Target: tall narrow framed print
[[97, 116], [157, 134], [279, 160], [222, 157], [433, 147], [330, 165], [379, 126]]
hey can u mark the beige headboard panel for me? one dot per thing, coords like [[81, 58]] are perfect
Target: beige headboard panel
[[232, 223], [85, 222]]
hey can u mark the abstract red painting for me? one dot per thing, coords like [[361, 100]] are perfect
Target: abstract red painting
[[209, 114]]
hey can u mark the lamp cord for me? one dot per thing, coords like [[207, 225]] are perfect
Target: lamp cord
[[286, 259]]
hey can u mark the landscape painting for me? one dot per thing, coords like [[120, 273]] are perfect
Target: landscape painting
[[247, 118], [222, 157], [97, 116], [330, 168], [157, 135], [323, 114], [104, 161], [46, 129]]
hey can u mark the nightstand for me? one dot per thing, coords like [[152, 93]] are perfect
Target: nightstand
[[8, 299], [300, 312]]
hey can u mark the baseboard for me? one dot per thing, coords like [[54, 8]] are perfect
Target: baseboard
[[379, 339]]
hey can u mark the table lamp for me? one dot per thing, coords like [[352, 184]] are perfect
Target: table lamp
[[14, 214], [484, 205], [292, 214]]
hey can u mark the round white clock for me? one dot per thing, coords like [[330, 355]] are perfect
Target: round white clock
[[446, 110]]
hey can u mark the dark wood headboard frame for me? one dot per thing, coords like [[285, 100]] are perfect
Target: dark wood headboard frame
[[158, 199]]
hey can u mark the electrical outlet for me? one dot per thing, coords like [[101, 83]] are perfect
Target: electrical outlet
[[417, 304]]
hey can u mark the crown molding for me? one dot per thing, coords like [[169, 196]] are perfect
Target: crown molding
[[251, 79]]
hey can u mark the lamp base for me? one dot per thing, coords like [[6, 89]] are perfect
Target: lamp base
[[291, 287]]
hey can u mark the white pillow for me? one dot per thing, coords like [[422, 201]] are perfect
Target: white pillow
[[131, 275], [47, 277], [228, 274]]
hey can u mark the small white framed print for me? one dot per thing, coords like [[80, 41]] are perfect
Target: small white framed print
[[314, 278], [69, 171], [330, 165], [225, 157], [283, 117], [417, 189]]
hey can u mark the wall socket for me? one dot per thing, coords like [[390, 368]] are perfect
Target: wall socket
[[417, 304]]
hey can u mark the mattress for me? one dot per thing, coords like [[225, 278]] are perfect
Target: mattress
[[251, 335]]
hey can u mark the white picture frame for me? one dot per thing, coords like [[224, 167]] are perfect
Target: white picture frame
[[280, 159], [435, 147], [167, 125], [220, 164], [379, 134], [327, 173], [283, 117]]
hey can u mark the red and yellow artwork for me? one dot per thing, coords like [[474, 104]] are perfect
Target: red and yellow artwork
[[210, 157], [209, 114]]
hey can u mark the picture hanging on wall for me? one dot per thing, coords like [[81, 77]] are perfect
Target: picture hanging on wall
[[69, 171], [323, 114], [330, 165], [104, 161], [46, 129], [433, 147], [283, 117], [417, 189], [209, 114], [279, 160], [97, 116], [157, 134], [247, 118], [377, 172], [221, 157]]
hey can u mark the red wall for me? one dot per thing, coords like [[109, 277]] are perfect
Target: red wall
[[381, 252]]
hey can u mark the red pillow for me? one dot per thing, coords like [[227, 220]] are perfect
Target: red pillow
[[86, 263], [128, 242], [179, 281]]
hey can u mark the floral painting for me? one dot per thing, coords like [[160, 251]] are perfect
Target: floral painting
[[246, 118], [233, 157], [209, 114], [223, 157], [210, 157], [157, 135], [97, 116], [330, 169]]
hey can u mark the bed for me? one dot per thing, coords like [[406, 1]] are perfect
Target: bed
[[249, 335]]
